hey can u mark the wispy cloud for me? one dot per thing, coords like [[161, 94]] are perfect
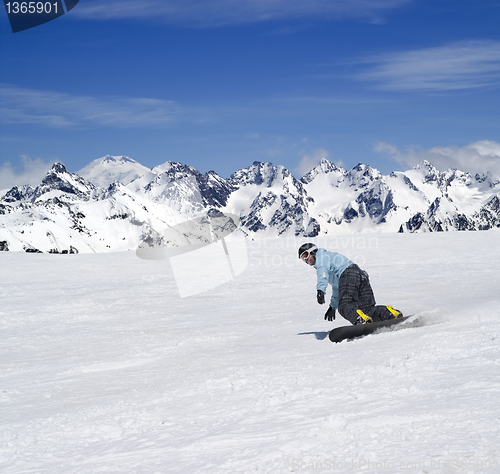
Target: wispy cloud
[[461, 65], [211, 13], [477, 157], [61, 110]]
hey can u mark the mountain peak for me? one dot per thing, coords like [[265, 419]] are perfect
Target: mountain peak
[[108, 169], [58, 168], [425, 165], [58, 178], [58, 172], [258, 173], [364, 173], [429, 172], [325, 166], [116, 159]]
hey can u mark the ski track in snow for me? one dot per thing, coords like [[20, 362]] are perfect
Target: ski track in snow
[[105, 369]]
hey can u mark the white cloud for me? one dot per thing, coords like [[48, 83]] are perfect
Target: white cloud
[[461, 65], [478, 157], [30, 172], [210, 13], [60, 110], [252, 136]]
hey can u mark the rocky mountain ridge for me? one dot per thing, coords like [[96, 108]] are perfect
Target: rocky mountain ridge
[[69, 213]]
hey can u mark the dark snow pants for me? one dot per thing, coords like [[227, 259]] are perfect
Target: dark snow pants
[[355, 292]]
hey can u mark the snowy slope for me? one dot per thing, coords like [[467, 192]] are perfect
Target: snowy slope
[[106, 369]]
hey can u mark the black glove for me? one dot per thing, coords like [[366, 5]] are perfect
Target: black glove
[[330, 314], [321, 297]]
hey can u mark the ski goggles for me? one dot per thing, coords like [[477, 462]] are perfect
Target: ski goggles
[[305, 255]]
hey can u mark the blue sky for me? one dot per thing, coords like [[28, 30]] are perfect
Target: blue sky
[[218, 84]]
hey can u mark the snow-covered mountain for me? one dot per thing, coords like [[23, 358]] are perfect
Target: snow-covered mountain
[[102, 208], [67, 213], [109, 169], [421, 199], [183, 189], [270, 201]]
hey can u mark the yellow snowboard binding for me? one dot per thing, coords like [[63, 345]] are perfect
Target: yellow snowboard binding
[[395, 312], [363, 318]]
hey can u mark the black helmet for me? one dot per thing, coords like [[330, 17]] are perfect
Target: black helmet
[[305, 247]]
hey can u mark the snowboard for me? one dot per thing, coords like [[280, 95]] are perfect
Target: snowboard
[[350, 332]]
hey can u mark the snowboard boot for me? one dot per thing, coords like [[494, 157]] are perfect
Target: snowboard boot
[[363, 318], [395, 312]]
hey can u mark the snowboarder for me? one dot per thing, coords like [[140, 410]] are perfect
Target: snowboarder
[[352, 293]]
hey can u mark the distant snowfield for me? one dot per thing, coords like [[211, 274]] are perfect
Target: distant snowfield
[[104, 368]]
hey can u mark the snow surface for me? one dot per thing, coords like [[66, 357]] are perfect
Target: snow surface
[[106, 369]]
